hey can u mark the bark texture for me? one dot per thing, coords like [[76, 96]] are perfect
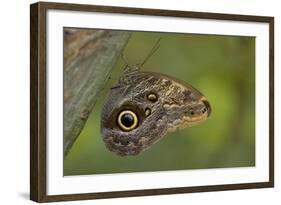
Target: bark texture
[[89, 56]]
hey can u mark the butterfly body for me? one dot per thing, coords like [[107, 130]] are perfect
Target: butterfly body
[[144, 106]]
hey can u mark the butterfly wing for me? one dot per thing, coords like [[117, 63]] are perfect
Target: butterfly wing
[[143, 107]]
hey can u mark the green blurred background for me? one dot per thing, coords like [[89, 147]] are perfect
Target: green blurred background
[[223, 69]]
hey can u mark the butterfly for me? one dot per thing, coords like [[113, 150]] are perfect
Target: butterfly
[[142, 107]]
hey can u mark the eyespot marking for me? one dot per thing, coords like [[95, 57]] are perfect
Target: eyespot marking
[[152, 97], [147, 112], [127, 120]]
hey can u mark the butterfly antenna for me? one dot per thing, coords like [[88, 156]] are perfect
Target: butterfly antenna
[[124, 59], [153, 50]]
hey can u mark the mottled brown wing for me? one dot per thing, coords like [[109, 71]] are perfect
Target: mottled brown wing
[[160, 104]]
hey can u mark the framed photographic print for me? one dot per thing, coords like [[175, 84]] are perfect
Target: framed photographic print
[[133, 102]]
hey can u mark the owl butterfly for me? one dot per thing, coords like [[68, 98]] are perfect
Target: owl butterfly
[[144, 106]]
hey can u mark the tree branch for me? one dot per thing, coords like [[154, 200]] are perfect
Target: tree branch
[[89, 56]]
